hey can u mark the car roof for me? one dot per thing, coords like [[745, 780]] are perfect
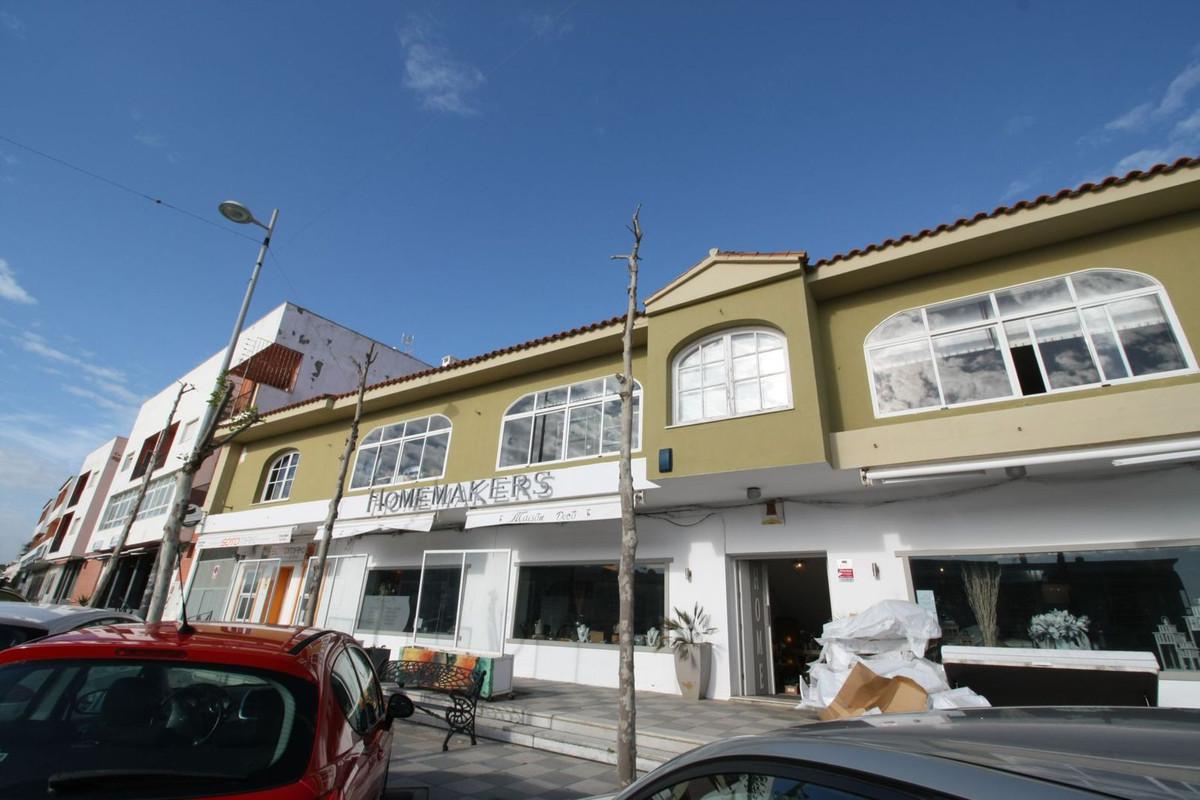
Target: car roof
[[47, 615], [1122, 752], [286, 648]]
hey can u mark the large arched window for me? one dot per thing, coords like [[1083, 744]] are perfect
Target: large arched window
[[1089, 328], [732, 374], [567, 422], [401, 452], [280, 474]]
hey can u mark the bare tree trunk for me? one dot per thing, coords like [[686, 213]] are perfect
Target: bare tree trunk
[[159, 584], [110, 568], [312, 585], [626, 711]]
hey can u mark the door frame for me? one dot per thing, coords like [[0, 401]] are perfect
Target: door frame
[[745, 663]]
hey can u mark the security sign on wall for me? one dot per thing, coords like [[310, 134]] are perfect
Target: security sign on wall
[[845, 569]]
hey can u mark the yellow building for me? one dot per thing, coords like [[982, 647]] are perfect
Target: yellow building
[[1013, 393]]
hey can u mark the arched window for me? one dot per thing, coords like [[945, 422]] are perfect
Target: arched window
[[278, 485], [404, 451], [567, 422], [1089, 328], [732, 374]]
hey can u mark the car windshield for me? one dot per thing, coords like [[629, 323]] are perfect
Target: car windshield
[[13, 635], [145, 728]]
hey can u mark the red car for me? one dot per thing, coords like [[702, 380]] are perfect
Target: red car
[[141, 711]]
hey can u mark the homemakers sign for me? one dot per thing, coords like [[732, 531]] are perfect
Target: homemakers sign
[[465, 494]]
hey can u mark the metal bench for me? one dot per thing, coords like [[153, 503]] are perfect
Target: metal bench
[[461, 685]]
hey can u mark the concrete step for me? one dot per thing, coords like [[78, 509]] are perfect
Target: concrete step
[[572, 735], [575, 745]]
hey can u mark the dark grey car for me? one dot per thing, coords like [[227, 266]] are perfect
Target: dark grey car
[[1002, 753], [24, 622]]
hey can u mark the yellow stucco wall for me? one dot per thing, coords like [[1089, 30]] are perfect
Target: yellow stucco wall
[[792, 436], [475, 416], [1167, 249]]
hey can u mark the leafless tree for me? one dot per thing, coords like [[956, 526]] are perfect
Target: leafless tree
[[626, 711], [312, 586], [110, 568], [207, 443]]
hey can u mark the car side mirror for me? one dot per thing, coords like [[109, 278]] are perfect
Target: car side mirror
[[399, 707]]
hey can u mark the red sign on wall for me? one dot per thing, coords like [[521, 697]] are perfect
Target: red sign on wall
[[845, 569]]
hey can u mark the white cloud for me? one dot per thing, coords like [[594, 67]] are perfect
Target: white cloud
[[550, 26], [23, 469], [1017, 188], [1135, 119], [1177, 91], [12, 24], [95, 397], [1174, 100], [1189, 126], [10, 289], [150, 139], [1149, 156], [1019, 124], [107, 385], [442, 81]]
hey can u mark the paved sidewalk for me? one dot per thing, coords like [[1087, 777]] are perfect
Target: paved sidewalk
[[492, 770]]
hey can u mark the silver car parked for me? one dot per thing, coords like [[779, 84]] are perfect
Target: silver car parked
[[983, 754], [24, 622]]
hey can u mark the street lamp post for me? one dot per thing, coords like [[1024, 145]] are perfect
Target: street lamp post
[[168, 551]]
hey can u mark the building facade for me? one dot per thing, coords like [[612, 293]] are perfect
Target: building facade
[[54, 568], [289, 355], [1012, 397]]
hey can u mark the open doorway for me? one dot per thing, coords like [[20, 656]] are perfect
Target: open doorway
[[782, 605]]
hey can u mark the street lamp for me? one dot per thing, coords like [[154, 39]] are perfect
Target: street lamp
[[234, 212]]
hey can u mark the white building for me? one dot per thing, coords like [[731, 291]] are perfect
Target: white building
[[289, 356]]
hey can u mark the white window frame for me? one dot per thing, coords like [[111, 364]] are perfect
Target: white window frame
[[998, 322], [403, 440], [279, 473], [505, 623], [156, 501], [237, 595], [598, 400], [727, 337]]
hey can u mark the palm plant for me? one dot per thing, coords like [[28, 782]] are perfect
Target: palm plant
[[686, 629]]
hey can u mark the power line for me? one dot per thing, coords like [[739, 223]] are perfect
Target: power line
[[158, 201], [279, 266]]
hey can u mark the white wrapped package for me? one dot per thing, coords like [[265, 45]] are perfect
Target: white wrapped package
[[961, 697], [931, 676], [886, 627]]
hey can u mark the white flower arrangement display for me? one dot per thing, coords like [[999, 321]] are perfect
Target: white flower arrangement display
[[1059, 628]]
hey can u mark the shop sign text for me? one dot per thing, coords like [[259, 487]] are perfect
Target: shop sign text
[[465, 494]]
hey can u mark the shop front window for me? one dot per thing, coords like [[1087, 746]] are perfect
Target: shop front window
[[579, 603], [462, 600], [1140, 600], [389, 601]]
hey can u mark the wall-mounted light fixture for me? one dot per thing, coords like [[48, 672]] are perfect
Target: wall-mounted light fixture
[[798, 565], [687, 573]]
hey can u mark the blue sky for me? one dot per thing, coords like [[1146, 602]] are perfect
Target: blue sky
[[461, 171]]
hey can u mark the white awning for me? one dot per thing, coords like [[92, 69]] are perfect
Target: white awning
[[344, 529], [246, 538], [582, 509]]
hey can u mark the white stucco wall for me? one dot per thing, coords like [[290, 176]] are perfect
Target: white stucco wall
[[322, 342], [101, 465]]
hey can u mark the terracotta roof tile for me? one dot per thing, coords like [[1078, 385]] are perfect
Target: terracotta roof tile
[[1065, 194], [412, 376]]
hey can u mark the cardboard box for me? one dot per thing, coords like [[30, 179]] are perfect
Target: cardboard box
[[864, 690]]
